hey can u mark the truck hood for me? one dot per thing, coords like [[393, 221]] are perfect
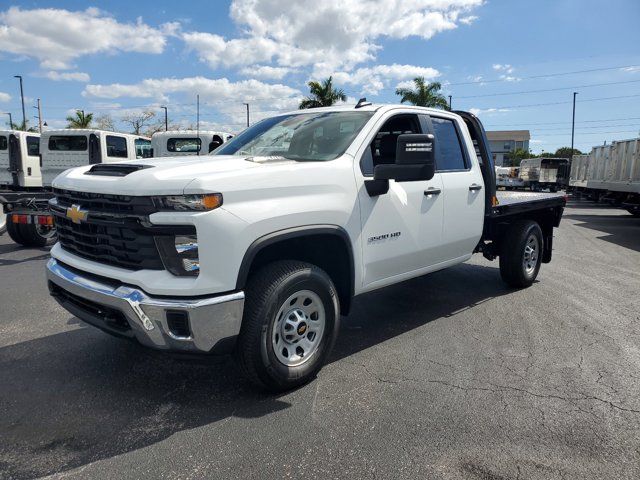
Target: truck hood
[[167, 176]]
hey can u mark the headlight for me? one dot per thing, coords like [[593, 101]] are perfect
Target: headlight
[[180, 254], [197, 202]]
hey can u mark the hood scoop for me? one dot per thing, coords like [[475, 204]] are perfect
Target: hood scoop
[[115, 169]]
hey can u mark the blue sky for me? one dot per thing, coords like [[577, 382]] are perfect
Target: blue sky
[[118, 57]]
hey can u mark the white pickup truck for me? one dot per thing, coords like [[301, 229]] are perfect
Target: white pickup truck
[[260, 248]]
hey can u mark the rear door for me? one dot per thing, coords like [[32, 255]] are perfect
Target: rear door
[[462, 186], [5, 173], [15, 159]]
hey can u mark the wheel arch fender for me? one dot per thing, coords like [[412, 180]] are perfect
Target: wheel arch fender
[[306, 243]]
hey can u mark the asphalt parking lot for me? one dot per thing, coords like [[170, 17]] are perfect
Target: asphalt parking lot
[[448, 376]]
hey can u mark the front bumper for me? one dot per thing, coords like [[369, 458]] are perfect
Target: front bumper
[[206, 325]]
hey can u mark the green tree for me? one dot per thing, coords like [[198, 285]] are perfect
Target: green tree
[[518, 155], [424, 94], [22, 126], [323, 94], [566, 152], [79, 120]]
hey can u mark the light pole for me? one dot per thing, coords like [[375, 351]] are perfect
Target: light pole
[[573, 121], [10, 120], [166, 119], [247, 113], [24, 115], [449, 102], [39, 117]]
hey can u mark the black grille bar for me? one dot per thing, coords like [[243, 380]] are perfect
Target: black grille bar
[[116, 230]]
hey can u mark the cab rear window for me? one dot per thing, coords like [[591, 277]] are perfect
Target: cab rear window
[[184, 145], [3, 143], [68, 143]]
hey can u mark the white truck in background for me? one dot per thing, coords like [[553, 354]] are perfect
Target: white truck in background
[[261, 247], [187, 142], [69, 148], [35, 160], [19, 168]]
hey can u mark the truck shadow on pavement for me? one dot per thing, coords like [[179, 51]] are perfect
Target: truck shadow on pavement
[[80, 396], [621, 229]]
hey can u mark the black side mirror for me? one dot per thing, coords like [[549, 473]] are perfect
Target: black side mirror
[[415, 159]]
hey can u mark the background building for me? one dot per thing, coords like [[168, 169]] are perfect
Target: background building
[[505, 141]]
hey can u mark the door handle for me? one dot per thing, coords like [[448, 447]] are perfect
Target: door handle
[[473, 187], [432, 191]]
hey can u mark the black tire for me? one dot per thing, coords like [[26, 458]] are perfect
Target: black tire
[[266, 293], [32, 237], [14, 231], [513, 270]]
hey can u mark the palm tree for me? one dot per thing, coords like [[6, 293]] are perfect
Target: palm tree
[[322, 95], [22, 126], [80, 120], [425, 94]]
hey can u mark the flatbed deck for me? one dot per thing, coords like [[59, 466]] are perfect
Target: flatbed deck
[[511, 202]]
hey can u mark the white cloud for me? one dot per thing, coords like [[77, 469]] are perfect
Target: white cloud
[[4, 97], [332, 35], [506, 68], [468, 20], [266, 72], [68, 76], [220, 95], [374, 79], [483, 111], [57, 37], [632, 69]]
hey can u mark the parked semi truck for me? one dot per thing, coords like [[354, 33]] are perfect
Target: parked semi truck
[[610, 173], [260, 249], [187, 142], [35, 160], [544, 173]]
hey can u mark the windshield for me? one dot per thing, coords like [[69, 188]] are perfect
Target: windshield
[[304, 136]]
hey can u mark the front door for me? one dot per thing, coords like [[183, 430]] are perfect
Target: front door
[[401, 229]]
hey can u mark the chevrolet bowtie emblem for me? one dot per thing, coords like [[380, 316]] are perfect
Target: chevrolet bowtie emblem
[[76, 214]]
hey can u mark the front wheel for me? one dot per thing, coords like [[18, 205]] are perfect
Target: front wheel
[[290, 323], [521, 254]]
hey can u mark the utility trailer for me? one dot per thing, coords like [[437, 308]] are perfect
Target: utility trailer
[[507, 178], [34, 160], [610, 173], [540, 173]]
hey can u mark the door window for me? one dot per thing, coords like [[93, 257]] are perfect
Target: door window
[[33, 146], [449, 152], [383, 147], [116, 146], [68, 143], [143, 148], [3, 143]]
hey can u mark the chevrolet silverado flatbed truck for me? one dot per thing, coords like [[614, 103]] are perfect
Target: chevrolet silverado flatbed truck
[[259, 248]]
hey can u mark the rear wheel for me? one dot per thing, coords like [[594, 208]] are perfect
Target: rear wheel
[[521, 254], [37, 235], [290, 323]]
